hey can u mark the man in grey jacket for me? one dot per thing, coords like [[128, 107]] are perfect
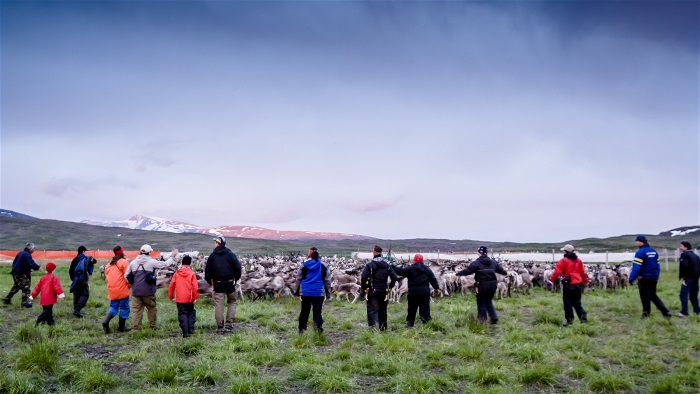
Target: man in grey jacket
[[143, 290]]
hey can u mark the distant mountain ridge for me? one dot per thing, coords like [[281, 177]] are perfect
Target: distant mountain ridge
[[141, 222], [13, 214]]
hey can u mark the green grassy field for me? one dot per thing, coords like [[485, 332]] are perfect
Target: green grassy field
[[528, 351]]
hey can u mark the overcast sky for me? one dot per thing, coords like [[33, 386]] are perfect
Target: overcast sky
[[497, 121]]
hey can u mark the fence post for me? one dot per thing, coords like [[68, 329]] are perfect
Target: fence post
[[438, 256], [666, 257], [607, 259]]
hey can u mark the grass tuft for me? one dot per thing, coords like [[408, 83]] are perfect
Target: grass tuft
[[609, 383], [40, 356], [255, 385]]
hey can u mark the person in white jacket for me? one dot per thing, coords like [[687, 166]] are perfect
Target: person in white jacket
[[141, 275]]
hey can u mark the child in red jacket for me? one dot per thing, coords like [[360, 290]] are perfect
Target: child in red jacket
[[186, 291], [50, 288]]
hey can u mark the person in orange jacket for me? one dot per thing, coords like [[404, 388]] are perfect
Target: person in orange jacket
[[184, 290], [50, 288], [118, 290], [574, 279]]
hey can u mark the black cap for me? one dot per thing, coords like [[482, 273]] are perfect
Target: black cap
[[82, 249], [483, 250], [641, 238]]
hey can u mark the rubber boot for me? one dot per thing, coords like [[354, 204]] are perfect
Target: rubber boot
[[105, 322], [122, 325]]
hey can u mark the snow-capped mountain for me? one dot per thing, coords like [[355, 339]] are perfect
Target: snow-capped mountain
[[140, 222], [13, 214], [681, 231]]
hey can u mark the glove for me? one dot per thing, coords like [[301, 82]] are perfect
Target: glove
[[31, 298], [61, 296]]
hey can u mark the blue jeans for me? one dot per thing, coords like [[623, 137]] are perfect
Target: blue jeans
[[689, 289], [121, 306]]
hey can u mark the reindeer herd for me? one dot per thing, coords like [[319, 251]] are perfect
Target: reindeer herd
[[266, 277]]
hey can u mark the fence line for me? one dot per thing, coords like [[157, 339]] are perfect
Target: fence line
[[69, 254]]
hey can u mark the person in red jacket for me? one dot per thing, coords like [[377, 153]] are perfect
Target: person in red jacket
[[50, 288], [573, 279], [184, 290]]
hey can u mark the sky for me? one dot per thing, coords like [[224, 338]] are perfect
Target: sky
[[536, 121]]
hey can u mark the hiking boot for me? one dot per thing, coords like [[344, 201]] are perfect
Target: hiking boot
[[494, 321], [27, 305], [78, 314], [681, 315], [645, 315], [568, 323], [105, 323], [122, 325], [6, 301], [584, 320]]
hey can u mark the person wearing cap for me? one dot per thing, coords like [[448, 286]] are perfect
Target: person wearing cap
[[21, 272], [313, 286], [184, 291], [142, 271], [689, 273], [376, 280], [50, 289], [574, 278], [80, 270], [646, 269], [484, 269], [420, 277], [118, 290], [223, 270]]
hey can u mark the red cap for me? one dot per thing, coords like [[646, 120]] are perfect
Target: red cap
[[50, 266], [118, 250], [418, 258]]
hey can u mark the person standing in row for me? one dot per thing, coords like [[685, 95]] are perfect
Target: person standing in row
[[573, 280], [80, 270], [184, 291], [21, 272], [313, 286], [118, 290], [646, 268], [50, 289], [420, 278], [484, 270], [375, 283], [688, 273], [143, 285], [223, 270]]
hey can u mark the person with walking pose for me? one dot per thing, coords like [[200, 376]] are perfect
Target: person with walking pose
[[688, 273], [22, 267], [223, 271], [50, 289], [377, 279], [80, 271], [313, 286], [143, 285], [420, 277], [484, 269], [573, 281], [184, 291], [646, 270], [118, 290]]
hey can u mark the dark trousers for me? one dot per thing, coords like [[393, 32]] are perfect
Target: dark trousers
[[46, 316], [420, 303], [81, 293], [484, 301], [186, 316], [690, 289], [376, 309], [307, 303], [647, 292], [572, 301], [21, 282]]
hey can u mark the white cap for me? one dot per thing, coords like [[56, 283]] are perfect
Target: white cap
[[146, 249], [568, 248]]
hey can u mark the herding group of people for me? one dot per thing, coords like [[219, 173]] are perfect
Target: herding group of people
[[133, 285]]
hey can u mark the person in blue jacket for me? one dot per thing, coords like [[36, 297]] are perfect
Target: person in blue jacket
[[80, 271], [646, 270], [313, 286], [22, 267]]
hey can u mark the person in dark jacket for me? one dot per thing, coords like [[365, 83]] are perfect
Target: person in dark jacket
[[646, 268], [22, 267], [80, 270], [313, 286], [223, 270], [484, 270], [574, 279], [420, 278], [688, 273], [375, 283]]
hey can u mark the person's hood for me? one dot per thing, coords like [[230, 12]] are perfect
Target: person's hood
[[313, 264], [142, 259], [221, 250], [570, 255], [485, 261], [183, 272]]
